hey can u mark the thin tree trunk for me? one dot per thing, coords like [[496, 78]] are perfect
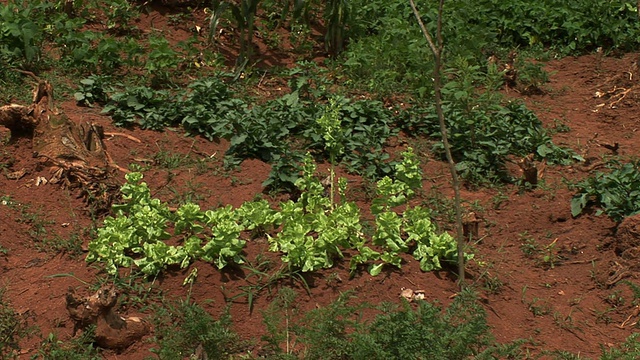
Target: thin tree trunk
[[436, 49]]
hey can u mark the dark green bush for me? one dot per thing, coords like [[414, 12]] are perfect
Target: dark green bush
[[616, 192]]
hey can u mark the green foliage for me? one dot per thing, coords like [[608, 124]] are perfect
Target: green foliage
[[258, 216], [278, 318], [136, 234], [427, 331], [473, 29], [182, 327], [244, 15], [119, 14], [139, 105], [457, 332], [336, 16], [271, 132], [139, 221], [568, 28], [162, 61], [217, 10], [326, 331], [431, 247], [616, 192], [396, 192], [629, 350], [483, 136], [312, 231], [335, 227], [79, 348], [12, 328], [396, 233], [225, 243], [20, 36], [93, 90]]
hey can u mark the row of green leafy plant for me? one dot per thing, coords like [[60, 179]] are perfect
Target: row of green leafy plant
[[278, 132], [485, 130], [310, 232]]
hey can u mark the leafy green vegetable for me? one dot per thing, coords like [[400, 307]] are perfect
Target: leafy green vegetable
[[616, 192]]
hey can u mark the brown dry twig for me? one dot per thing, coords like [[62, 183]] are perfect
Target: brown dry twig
[[636, 312], [132, 138]]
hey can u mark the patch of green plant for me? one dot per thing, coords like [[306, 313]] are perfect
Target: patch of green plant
[[279, 319], [93, 90], [628, 350], [275, 132], [474, 31], [485, 133], [137, 233], [428, 324], [616, 192], [312, 232], [336, 17], [78, 348], [13, 327], [244, 15], [326, 331], [397, 232], [338, 331], [162, 61], [568, 28], [184, 328], [21, 37], [139, 105], [119, 15]]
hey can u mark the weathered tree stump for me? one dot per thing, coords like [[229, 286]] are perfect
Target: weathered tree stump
[[112, 330], [75, 153]]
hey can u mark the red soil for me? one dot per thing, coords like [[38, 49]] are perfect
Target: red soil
[[565, 298]]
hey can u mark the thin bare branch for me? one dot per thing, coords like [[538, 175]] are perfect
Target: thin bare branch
[[437, 48]]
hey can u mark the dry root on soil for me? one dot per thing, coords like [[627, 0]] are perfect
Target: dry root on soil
[[75, 153], [112, 330]]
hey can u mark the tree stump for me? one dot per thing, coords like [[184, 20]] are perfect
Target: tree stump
[[75, 153], [112, 330]]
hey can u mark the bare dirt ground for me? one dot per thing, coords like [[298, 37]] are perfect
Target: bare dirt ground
[[569, 306]]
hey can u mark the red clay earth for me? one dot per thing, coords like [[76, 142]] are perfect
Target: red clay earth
[[560, 308]]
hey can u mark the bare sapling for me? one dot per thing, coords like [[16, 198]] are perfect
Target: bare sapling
[[436, 48]]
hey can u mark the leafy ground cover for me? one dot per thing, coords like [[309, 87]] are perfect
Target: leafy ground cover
[[287, 196]]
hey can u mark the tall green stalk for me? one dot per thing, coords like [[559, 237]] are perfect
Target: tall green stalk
[[336, 16], [330, 125], [244, 15]]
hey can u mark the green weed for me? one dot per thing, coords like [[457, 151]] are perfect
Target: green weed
[[13, 327], [183, 327], [79, 348]]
